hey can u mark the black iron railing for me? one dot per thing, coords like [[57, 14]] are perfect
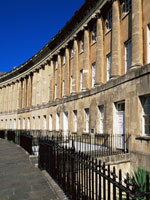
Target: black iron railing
[[83, 177], [96, 145], [23, 138], [2, 134]]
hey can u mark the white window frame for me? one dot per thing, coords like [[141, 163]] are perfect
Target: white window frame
[[101, 119], [33, 123], [87, 120], [28, 123], [145, 115], [19, 123], [5, 123], [50, 122], [15, 124], [127, 6], [94, 33], [24, 123], [64, 58], [109, 19], [39, 122], [82, 43], [10, 124], [128, 55], [109, 60], [81, 79], [75, 120], [93, 74], [45, 122], [148, 43], [57, 121], [72, 51]]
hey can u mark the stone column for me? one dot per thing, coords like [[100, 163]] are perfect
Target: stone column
[[116, 44], [38, 88], [59, 71], [34, 89], [29, 92], [66, 73], [1, 99], [99, 53], [40, 85], [47, 84], [4, 103], [75, 66], [44, 75], [18, 93], [25, 91], [7, 97], [22, 93], [52, 81], [86, 60], [137, 35]]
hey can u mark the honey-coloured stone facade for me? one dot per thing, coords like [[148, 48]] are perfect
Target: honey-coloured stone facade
[[93, 77]]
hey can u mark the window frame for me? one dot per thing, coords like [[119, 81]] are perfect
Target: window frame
[[109, 64], [93, 74], [101, 119], [81, 79], [109, 20], [128, 58], [94, 33], [127, 7], [87, 120]]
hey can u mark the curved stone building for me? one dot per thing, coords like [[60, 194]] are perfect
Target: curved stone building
[[93, 77]]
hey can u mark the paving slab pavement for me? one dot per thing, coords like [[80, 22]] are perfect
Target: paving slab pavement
[[21, 180]]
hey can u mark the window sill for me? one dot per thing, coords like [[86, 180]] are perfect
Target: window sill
[[92, 43], [81, 52], [145, 138], [85, 133], [125, 14], [108, 30]]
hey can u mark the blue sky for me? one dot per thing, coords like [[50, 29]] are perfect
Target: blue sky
[[27, 25]]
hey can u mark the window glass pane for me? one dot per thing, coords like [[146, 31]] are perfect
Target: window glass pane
[[93, 73], [109, 19], [108, 66]]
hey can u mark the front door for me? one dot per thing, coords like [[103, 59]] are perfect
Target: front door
[[120, 122]]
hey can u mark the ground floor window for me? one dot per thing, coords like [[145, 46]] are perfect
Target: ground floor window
[[50, 122], [15, 124], [87, 120], [23, 123], [45, 122], [146, 115], [101, 119], [75, 120], [28, 123], [57, 121]]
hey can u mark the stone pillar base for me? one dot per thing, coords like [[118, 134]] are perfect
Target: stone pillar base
[[73, 93], [84, 89], [114, 77], [98, 84], [135, 66]]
